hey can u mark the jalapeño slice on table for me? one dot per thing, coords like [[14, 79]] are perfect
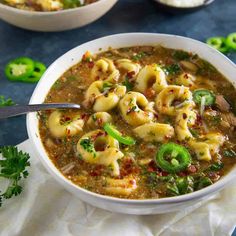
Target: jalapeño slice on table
[[173, 158], [19, 68], [39, 69], [219, 43]]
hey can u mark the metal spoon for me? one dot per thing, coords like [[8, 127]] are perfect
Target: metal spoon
[[10, 111]]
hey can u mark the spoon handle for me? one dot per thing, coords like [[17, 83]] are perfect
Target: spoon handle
[[10, 111]]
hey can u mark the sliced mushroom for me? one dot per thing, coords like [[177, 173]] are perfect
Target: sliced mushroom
[[222, 104], [229, 118]]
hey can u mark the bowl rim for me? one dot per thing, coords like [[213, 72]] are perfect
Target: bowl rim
[[39, 13], [64, 181], [206, 3]]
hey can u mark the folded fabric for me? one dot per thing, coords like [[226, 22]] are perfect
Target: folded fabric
[[45, 208]]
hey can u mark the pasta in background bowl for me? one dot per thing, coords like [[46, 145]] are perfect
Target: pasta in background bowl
[[60, 66], [51, 21]]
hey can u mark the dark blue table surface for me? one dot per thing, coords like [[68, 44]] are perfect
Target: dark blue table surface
[[126, 16]]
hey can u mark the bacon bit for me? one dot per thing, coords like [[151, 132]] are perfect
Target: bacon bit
[[182, 174], [68, 132], [198, 120], [131, 74], [171, 91], [163, 173], [95, 136], [150, 93], [84, 116], [91, 64], [97, 171], [67, 118], [214, 176], [192, 169], [185, 116]]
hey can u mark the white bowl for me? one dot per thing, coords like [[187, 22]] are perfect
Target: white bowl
[[57, 20], [152, 206]]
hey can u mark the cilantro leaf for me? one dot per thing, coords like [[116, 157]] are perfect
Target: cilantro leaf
[[13, 167], [6, 102]]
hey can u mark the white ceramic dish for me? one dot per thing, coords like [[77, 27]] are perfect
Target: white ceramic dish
[[58, 20], [222, 63]]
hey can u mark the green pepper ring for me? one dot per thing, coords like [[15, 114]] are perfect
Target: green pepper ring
[[210, 97], [218, 43], [39, 69], [117, 135], [182, 156], [231, 41], [19, 61]]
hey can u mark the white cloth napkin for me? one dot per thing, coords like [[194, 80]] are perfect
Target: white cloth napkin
[[45, 208]]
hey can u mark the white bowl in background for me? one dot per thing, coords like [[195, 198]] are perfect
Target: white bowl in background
[[56, 20], [141, 207]]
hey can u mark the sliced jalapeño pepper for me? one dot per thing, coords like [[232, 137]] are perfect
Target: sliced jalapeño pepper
[[39, 69], [210, 98], [173, 158], [219, 43], [231, 41], [19, 68], [113, 132]]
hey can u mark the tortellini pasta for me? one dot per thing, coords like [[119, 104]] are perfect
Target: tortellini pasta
[[120, 186], [96, 147], [185, 79], [60, 127], [184, 119], [166, 98], [128, 66], [104, 99], [133, 109], [98, 119], [209, 146], [151, 76], [154, 132], [104, 69]]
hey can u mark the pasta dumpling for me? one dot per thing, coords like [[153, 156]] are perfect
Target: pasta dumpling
[[170, 94], [186, 79], [104, 99], [128, 66], [133, 109], [208, 147], [120, 186], [104, 69], [185, 118], [60, 127], [151, 76], [98, 119], [154, 132], [96, 147]]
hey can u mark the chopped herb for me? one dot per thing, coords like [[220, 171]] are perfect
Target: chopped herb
[[229, 153], [88, 146], [94, 117], [202, 183], [106, 86], [181, 55], [6, 102], [138, 56], [172, 190], [173, 69], [13, 167], [194, 133], [127, 84], [216, 166]]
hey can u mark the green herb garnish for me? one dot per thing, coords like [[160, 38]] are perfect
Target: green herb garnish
[[88, 146], [172, 69], [6, 102], [13, 167]]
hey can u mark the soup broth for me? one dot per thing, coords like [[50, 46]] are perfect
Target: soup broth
[[155, 122]]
